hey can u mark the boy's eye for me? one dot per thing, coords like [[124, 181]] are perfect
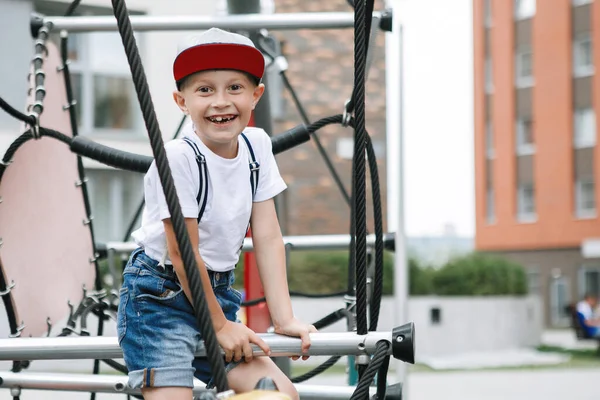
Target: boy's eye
[[235, 87], [204, 89]]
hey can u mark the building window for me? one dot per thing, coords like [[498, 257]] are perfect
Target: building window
[[487, 12], [490, 206], [524, 67], [489, 79], [102, 85], [583, 61], [585, 198], [114, 197], [584, 128], [534, 280], [526, 203], [489, 140], [524, 9], [525, 143]]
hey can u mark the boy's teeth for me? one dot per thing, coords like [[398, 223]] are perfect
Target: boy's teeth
[[219, 119]]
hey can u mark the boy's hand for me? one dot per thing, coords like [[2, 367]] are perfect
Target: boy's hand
[[298, 329], [235, 340]]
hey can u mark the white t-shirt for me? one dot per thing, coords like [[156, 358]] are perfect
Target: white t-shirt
[[585, 309], [223, 225]]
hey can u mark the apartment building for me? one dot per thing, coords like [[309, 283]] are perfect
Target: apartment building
[[537, 158]]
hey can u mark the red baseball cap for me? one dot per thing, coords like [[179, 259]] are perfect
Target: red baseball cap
[[218, 49]]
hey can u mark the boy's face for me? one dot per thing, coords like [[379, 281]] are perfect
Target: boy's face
[[220, 104]]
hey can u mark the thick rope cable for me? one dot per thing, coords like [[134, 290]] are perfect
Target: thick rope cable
[[375, 303], [362, 389], [359, 176], [16, 113], [350, 107], [316, 371], [72, 7], [193, 274], [254, 302]]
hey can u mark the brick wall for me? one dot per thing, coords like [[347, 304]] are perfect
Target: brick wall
[[321, 70]]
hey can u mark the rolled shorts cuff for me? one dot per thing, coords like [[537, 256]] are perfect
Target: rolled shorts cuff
[[228, 367], [161, 377]]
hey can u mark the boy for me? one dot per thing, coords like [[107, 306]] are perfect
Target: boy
[[218, 85]]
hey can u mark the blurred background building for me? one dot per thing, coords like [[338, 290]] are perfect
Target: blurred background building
[[537, 161]]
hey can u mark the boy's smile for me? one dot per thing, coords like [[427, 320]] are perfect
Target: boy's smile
[[220, 103]]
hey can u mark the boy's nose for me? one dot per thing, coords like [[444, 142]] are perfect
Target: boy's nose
[[220, 100]]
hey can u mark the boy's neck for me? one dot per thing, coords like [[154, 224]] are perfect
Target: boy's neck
[[223, 150]]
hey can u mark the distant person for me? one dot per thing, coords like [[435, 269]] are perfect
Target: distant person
[[585, 313]]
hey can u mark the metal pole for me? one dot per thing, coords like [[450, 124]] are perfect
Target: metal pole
[[284, 21], [102, 347], [395, 169], [118, 384], [308, 242]]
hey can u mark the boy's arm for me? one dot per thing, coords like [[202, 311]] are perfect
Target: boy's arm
[[234, 338], [216, 313], [270, 256]]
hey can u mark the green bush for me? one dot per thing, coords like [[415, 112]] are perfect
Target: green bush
[[475, 274], [480, 274]]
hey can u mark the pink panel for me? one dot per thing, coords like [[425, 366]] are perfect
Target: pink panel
[[46, 247]]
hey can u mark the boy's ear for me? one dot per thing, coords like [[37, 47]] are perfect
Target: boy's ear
[[180, 101], [258, 92]]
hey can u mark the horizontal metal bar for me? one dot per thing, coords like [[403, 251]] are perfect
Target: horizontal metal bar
[[67, 348], [283, 21], [306, 242], [118, 384]]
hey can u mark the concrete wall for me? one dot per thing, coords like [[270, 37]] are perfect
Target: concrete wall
[[467, 324]]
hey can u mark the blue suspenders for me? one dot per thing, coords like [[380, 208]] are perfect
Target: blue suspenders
[[202, 196]]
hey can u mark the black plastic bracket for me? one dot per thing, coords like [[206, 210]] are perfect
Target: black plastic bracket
[[403, 343], [35, 24], [387, 20]]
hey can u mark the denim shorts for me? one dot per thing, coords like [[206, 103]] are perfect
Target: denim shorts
[[157, 328]]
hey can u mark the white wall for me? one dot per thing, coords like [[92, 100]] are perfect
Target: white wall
[[468, 324]]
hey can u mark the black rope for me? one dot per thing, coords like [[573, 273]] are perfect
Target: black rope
[[15, 113], [254, 302], [202, 314], [375, 303], [351, 106], [318, 370], [72, 7], [359, 176], [362, 389], [381, 378]]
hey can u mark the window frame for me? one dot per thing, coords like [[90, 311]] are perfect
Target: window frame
[[579, 70], [580, 212], [526, 216], [523, 81], [520, 10], [488, 73], [524, 148], [82, 67], [490, 206], [490, 151], [581, 140]]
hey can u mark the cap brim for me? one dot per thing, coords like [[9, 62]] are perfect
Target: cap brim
[[219, 56]]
